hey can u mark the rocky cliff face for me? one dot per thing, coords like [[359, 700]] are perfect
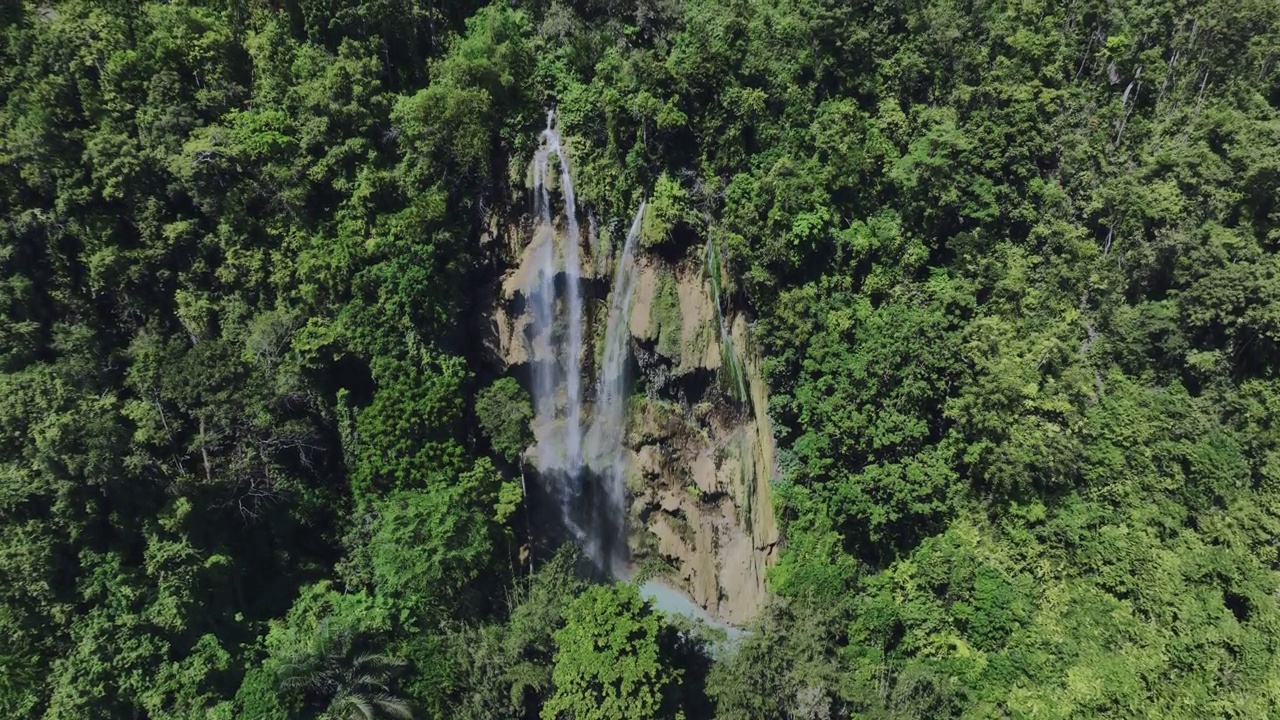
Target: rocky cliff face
[[700, 453]]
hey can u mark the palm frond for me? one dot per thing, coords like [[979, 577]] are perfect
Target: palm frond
[[357, 684], [350, 706], [393, 707]]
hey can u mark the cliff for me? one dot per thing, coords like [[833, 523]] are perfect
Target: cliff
[[698, 446]]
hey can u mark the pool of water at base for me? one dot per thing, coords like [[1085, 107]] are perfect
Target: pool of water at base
[[673, 602]]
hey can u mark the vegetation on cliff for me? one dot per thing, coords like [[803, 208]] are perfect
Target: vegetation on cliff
[[1013, 273]]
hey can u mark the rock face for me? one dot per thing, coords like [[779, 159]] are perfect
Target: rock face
[[699, 459]]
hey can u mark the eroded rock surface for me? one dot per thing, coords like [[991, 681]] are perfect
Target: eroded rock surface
[[699, 461]]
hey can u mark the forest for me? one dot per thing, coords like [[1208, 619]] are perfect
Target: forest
[[1011, 267]]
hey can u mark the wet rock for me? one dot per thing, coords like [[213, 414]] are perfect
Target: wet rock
[[699, 464]]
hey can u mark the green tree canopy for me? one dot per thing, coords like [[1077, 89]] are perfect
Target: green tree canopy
[[609, 662]]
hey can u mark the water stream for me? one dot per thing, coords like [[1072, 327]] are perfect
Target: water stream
[[557, 337], [731, 366], [573, 298], [606, 453], [563, 361], [543, 294], [673, 602]]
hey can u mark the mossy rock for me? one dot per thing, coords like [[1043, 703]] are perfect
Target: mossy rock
[[651, 421], [666, 318], [633, 479]]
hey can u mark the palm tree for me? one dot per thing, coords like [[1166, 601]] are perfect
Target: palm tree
[[353, 685]]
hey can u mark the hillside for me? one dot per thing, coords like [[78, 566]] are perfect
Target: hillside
[[376, 359]]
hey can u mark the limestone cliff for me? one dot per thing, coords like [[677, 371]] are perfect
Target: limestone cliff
[[700, 456]]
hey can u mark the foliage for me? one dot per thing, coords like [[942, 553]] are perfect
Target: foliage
[[228, 348], [608, 662], [1009, 286], [785, 667], [667, 207], [504, 411], [666, 318], [450, 539], [354, 684], [504, 669], [1011, 271]]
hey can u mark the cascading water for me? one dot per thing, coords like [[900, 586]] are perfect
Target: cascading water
[[564, 366], [590, 491], [604, 439], [555, 362], [606, 454], [543, 297], [582, 472], [573, 296]]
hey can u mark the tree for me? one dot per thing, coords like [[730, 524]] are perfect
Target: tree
[[448, 529], [784, 667], [350, 682], [609, 662], [504, 410], [503, 669]]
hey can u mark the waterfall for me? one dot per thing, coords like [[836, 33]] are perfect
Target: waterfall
[[557, 365], [556, 360], [573, 295], [611, 400], [581, 453], [542, 296], [590, 491], [606, 452]]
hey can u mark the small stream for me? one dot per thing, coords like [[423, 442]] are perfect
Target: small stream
[[673, 602]]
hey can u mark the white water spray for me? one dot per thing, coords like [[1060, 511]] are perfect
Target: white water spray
[[573, 295], [543, 297], [606, 453]]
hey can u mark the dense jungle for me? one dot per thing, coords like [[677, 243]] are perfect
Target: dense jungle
[[998, 293]]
